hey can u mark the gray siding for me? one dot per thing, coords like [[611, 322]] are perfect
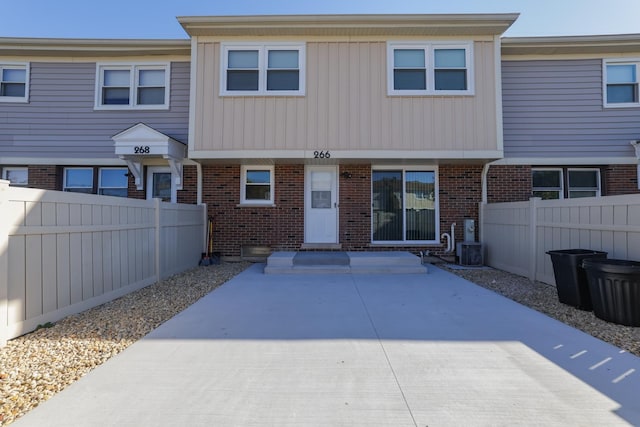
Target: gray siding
[[555, 109], [60, 122]]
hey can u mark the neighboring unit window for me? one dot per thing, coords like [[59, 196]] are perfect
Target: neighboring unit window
[[18, 177], [113, 182], [405, 207], [583, 183], [621, 84], [429, 69], [257, 185], [14, 80], [547, 183], [78, 180], [132, 86], [262, 70]]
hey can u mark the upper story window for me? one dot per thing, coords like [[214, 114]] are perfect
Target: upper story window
[[272, 69], [14, 82], [429, 68], [257, 185], [139, 86], [16, 176], [621, 84]]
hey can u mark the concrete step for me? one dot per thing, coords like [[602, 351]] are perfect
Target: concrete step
[[344, 262]]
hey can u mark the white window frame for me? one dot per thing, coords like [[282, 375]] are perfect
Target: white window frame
[[559, 190], [429, 54], [405, 169], [17, 65], [243, 185], [101, 187], [626, 61], [12, 168], [134, 70], [65, 187], [263, 50], [598, 181]]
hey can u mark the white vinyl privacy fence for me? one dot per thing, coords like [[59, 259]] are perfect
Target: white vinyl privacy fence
[[516, 236], [62, 253]]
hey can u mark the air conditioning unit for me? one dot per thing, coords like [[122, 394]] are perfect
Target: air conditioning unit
[[470, 253]]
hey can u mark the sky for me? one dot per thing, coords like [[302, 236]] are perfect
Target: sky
[[156, 19]]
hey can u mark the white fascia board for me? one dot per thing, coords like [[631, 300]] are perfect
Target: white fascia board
[[62, 161], [337, 155]]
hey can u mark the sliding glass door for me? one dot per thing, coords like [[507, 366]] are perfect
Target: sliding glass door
[[405, 207]]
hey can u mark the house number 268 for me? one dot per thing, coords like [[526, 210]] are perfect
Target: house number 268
[[321, 155], [141, 149]]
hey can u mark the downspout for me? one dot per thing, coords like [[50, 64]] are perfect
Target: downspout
[[636, 145], [198, 183]]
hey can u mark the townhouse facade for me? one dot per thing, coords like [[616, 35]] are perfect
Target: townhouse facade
[[571, 118], [354, 132]]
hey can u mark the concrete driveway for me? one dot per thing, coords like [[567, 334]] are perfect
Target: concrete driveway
[[348, 350]]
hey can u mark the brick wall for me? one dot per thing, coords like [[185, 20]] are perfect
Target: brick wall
[[45, 177], [620, 179], [280, 227], [460, 194], [355, 207], [189, 192], [132, 191], [508, 183]]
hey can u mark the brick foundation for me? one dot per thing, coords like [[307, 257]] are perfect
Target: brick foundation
[[46, 177], [620, 179], [460, 195], [280, 227], [508, 183]]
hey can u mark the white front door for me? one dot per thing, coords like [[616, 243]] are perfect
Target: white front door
[[321, 204], [160, 184]]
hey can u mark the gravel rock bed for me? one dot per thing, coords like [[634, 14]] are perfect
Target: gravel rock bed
[[544, 298], [35, 366]]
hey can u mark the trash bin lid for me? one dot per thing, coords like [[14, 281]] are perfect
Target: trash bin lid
[[620, 266]]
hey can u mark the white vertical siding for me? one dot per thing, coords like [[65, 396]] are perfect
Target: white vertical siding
[[346, 107]]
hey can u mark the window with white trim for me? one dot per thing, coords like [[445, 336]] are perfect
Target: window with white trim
[[270, 69], [404, 205], [429, 68], [14, 82], [18, 177], [113, 182], [257, 184], [137, 86], [78, 180], [547, 183], [583, 183], [621, 83]]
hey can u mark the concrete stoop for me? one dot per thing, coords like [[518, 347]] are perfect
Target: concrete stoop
[[344, 262]]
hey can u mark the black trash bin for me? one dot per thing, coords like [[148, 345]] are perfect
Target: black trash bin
[[571, 282], [614, 285]]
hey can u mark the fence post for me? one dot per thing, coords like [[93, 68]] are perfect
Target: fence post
[[533, 241], [4, 262], [156, 207]]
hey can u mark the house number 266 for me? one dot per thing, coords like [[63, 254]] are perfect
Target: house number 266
[[321, 155]]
